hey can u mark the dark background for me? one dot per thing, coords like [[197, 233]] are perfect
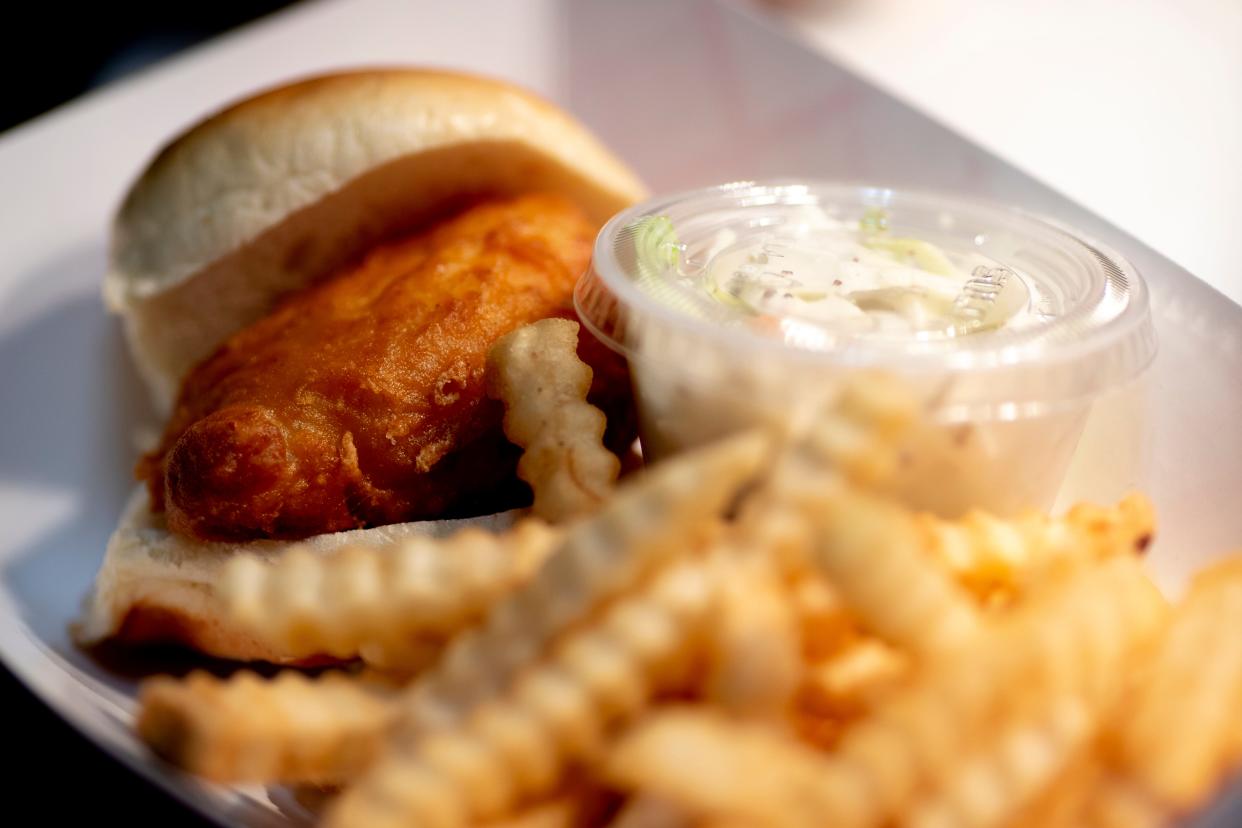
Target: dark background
[[52, 52], [63, 779]]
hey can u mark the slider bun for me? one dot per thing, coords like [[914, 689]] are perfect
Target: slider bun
[[284, 188], [273, 194], [158, 587]]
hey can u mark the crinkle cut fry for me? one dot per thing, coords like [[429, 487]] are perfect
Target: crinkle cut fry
[[825, 624], [989, 788], [848, 683], [536, 372], [754, 658], [387, 604], [1060, 804], [988, 554], [1066, 643], [1118, 803], [650, 812], [869, 550], [809, 512], [1089, 794], [1181, 733], [853, 436], [985, 554], [720, 768], [1072, 641], [723, 770], [248, 729], [654, 518], [559, 812], [515, 746], [859, 434]]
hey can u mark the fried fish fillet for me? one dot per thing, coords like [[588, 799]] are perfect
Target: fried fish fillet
[[360, 401]]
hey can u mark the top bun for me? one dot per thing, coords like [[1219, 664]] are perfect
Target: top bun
[[286, 187]]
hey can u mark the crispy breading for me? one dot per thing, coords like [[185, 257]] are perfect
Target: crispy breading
[[360, 401]]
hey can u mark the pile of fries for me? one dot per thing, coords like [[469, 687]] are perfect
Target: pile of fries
[[751, 634]]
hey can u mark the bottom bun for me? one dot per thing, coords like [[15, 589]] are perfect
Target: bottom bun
[[157, 587]]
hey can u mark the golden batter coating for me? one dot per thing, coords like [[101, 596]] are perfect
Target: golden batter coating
[[360, 401]]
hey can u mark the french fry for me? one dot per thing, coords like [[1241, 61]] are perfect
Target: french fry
[[850, 682], [992, 556], [821, 731], [871, 552], [717, 768], [1117, 803], [854, 437], [558, 812], [1073, 641], [821, 655], [313, 797], [649, 521], [650, 812], [1183, 731], [994, 785], [1089, 794], [825, 625], [859, 434], [754, 661], [536, 372], [394, 606], [249, 729], [516, 745], [867, 549], [1062, 803]]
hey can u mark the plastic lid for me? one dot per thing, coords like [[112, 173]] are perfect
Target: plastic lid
[[1036, 315]]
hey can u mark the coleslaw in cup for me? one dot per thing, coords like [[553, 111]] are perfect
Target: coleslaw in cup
[[1026, 342]]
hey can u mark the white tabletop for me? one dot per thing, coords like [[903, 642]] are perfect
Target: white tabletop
[[1140, 120], [1133, 109]]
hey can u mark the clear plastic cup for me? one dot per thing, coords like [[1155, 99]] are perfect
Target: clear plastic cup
[[1033, 378]]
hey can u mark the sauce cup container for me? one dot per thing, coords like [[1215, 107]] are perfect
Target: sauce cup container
[[1026, 342]]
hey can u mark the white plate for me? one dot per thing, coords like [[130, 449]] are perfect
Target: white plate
[[691, 93]]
